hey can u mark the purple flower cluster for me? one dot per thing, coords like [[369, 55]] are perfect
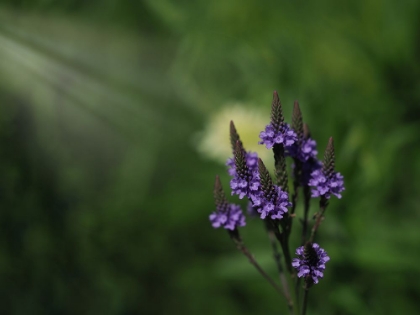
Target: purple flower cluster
[[247, 185], [228, 217], [311, 261], [305, 151], [251, 162], [326, 185], [273, 206], [270, 136], [308, 168], [245, 182]]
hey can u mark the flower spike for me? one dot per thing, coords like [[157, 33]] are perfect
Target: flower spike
[[310, 263], [270, 201], [277, 132], [277, 117], [326, 181], [297, 121], [329, 158], [228, 216], [234, 136]]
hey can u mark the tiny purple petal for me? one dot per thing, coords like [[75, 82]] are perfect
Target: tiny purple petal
[[275, 207], [285, 136], [326, 186], [229, 218]]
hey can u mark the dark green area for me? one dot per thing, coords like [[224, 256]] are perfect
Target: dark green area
[[104, 200]]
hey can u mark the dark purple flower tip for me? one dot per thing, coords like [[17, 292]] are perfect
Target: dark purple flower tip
[[285, 136], [239, 187], [324, 185], [310, 262], [274, 206], [231, 218]]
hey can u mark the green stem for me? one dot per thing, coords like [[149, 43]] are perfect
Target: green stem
[[307, 199], [241, 246], [277, 258], [305, 301], [293, 208], [319, 217], [281, 237]]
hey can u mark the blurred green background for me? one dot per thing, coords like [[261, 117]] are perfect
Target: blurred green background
[[104, 197]]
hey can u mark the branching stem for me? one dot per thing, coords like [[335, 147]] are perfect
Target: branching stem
[[241, 246], [319, 217]]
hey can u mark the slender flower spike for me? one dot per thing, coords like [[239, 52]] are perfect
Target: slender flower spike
[[251, 162], [277, 132], [270, 201], [310, 262], [304, 152], [297, 121], [227, 215], [250, 157], [305, 147], [326, 181], [234, 136], [246, 179]]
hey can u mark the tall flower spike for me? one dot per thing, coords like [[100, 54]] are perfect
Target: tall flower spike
[[250, 157], [307, 156], [228, 216], [270, 201], [310, 262], [234, 136], [326, 181], [305, 147], [219, 195], [297, 121], [246, 179], [280, 167], [277, 117], [329, 158], [277, 132], [266, 182]]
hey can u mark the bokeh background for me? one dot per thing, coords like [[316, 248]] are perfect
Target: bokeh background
[[112, 128]]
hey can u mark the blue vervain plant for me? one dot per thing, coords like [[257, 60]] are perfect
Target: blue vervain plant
[[273, 203]]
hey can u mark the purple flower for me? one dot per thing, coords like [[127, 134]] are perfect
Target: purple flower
[[283, 135], [247, 185], [311, 262], [326, 181], [229, 216], [326, 185], [245, 181], [303, 151], [308, 168], [274, 205], [251, 162]]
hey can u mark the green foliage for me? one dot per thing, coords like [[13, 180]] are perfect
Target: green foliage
[[104, 200]]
